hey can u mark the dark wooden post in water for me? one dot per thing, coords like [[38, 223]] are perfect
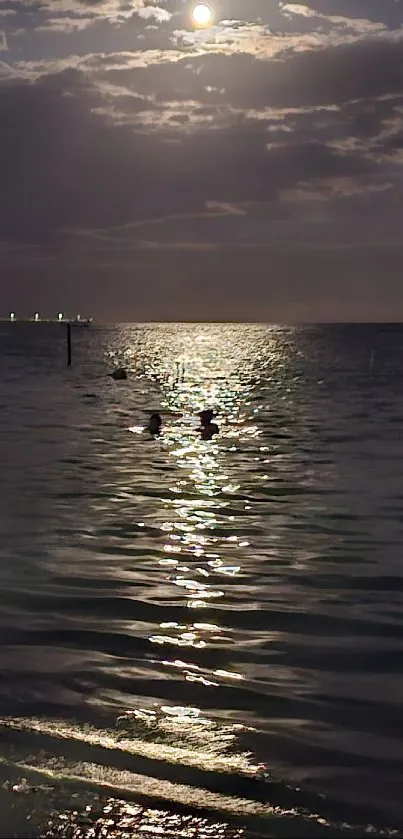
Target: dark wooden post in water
[[68, 344]]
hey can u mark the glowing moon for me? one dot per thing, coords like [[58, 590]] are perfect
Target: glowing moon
[[202, 14]]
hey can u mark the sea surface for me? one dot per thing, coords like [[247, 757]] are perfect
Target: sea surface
[[201, 639]]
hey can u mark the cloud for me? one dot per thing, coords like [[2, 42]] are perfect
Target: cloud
[[65, 24], [129, 134], [154, 12], [113, 11], [361, 27], [111, 161]]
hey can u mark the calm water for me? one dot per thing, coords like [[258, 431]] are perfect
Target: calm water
[[191, 624]]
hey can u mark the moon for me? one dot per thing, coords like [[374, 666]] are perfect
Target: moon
[[202, 15]]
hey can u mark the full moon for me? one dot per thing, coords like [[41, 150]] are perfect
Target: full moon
[[202, 14]]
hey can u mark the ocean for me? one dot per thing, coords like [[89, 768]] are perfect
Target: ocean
[[201, 638]]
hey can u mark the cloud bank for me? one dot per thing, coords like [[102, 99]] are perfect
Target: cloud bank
[[134, 146]]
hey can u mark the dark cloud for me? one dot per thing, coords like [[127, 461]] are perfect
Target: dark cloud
[[127, 138], [64, 163], [319, 77]]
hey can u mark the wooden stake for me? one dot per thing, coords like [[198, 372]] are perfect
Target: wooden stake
[[69, 345]]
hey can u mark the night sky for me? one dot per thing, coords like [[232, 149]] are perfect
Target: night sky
[[248, 171]]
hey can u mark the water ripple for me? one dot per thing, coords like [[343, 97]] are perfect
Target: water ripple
[[227, 612]]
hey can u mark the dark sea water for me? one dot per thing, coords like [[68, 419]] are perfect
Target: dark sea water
[[201, 639]]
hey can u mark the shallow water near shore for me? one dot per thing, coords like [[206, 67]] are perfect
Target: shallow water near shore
[[201, 638]]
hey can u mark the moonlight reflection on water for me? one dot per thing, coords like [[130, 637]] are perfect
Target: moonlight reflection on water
[[194, 619]]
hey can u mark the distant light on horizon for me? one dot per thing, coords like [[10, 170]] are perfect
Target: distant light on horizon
[[36, 315], [12, 315], [60, 315]]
